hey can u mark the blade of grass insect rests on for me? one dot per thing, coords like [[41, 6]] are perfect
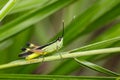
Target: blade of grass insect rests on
[[65, 55], [28, 19], [7, 8], [82, 21], [96, 67], [56, 77], [101, 21], [25, 5]]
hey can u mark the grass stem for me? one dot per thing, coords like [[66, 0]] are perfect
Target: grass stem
[[58, 57]]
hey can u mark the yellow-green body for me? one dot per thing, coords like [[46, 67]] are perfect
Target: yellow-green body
[[46, 50], [31, 56]]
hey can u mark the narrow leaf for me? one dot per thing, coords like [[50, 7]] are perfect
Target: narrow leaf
[[7, 8], [56, 77], [96, 67], [30, 18], [58, 57]]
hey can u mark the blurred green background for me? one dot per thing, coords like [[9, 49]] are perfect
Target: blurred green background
[[40, 21]]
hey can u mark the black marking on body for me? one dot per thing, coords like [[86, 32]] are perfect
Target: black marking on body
[[58, 39], [41, 47], [25, 54], [23, 49]]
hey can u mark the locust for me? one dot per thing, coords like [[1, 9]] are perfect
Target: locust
[[33, 51]]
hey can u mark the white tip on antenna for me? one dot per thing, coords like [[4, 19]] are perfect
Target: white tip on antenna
[[63, 28], [63, 20], [74, 17]]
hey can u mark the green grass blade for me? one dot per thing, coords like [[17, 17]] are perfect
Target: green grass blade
[[25, 5], [76, 9], [96, 67], [2, 3], [4, 11], [101, 44], [19, 41], [3, 50], [95, 17], [20, 38], [43, 28], [104, 40], [97, 45], [5, 44], [108, 34], [58, 57], [32, 17], [56, 77], [82, 22]]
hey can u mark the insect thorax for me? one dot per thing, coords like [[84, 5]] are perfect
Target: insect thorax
[[53, 47]]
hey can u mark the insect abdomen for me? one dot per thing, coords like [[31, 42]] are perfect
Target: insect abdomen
[[31, 56]]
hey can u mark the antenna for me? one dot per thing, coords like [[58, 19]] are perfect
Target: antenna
[[63, 28], [74, 17], [60, 37]]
